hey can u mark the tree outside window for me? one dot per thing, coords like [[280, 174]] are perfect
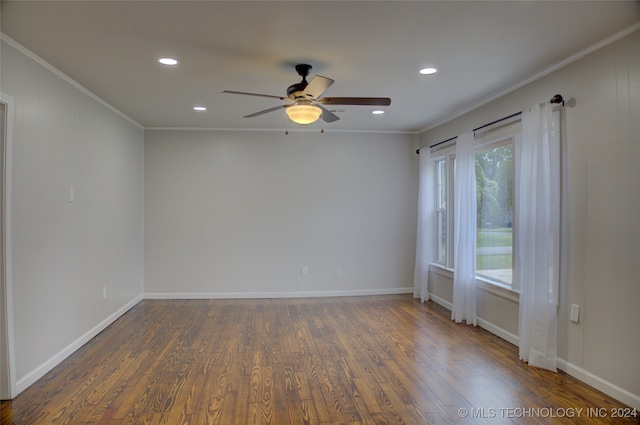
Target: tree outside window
[[494, 189]]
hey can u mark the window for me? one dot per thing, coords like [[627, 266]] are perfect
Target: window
[[495, 197], [445, 170], [441, 212], [494, 189]]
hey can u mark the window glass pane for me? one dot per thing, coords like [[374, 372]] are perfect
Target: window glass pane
[[441, 211], [441, 167], [442, 237], [494, 175]]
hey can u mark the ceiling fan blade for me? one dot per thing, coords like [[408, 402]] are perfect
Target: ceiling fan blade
[[266, 111], [317, 86], [254, 94], [374, 101], [328, 116]]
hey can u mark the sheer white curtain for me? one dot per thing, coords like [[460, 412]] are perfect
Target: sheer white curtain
[[425, 227], [464, 234], [537, 226]]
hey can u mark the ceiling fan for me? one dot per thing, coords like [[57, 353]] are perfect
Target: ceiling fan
[[307, 105]]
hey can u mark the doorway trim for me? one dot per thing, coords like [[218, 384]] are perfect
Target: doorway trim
[[8, 388]]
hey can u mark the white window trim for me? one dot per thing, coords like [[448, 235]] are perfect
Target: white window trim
[[489, 286], [448, 156], [501, 134]]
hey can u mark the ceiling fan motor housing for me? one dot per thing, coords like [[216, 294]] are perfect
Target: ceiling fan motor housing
[[294, 91]]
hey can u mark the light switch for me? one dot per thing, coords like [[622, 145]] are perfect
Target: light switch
[[575, 313]]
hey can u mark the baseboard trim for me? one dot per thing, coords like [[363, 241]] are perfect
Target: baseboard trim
[[285, 294], [620, 394], [441, 301], [498, 331], [484, 324], [30, 378]]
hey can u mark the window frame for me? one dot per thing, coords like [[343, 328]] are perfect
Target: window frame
[[494, 136], [447, 194], [446, 155]]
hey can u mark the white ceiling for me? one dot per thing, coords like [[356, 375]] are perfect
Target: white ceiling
[[370, 48]]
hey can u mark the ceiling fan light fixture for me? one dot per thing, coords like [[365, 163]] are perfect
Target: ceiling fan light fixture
[[303, 113]]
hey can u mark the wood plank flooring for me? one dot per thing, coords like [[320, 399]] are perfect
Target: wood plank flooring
[[362, 360]]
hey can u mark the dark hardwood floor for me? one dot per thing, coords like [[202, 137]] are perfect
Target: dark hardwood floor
[[362, 360]]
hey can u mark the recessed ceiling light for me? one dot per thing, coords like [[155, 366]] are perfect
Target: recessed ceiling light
[[168, 61], [428, 71], [199, 108], [378, 112]]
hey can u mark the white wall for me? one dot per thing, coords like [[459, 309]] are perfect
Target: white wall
[[64, 252], [238, 213], [601, 198]]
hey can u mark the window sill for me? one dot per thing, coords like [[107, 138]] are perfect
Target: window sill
[[441, 270], [486, 285], [498, 289]]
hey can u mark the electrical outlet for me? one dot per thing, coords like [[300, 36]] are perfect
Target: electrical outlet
[[338, 271], [575, 313], [304, 270]]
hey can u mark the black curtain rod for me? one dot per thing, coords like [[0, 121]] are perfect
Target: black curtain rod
[[497, 121], [555, 99], [440, 143]]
